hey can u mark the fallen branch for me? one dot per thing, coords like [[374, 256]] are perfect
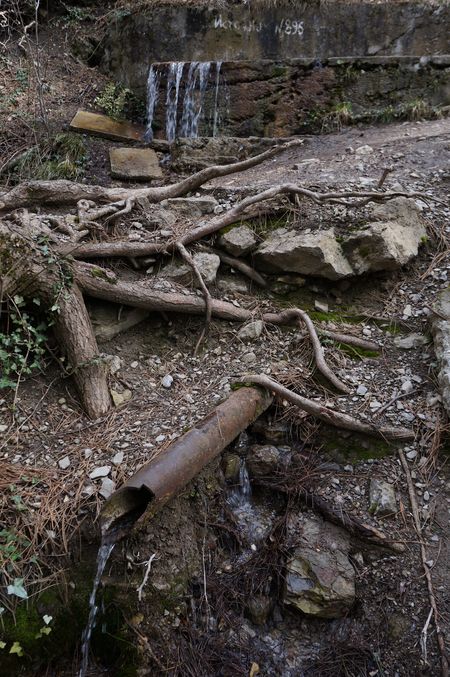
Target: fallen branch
[[327, 415], [350, 340], [417, 526]]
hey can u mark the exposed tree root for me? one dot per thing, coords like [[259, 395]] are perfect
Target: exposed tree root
[[206, 295], [37, 193], [327, 415]]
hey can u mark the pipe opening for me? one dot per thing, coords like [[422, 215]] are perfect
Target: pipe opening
[[122, 510]]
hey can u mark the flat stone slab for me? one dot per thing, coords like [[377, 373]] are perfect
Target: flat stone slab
[[102, 125], [134, 164]]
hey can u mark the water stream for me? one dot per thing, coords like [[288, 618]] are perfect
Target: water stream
[[103, 555], [185, 98]]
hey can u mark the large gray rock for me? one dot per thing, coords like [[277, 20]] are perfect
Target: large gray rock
[[320, 580], [388, 242], [208, 265], [317, 253], [441, 338], [239, 241], [263, 460]]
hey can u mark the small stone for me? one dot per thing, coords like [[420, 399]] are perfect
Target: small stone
[[167, 381], [101, 471], [364, 150], [115, 364], [321, 306], [407, 387], [429, 563], [249, 358], [3, 428], [251, 331], [361, 390], [134, 364], [407, 311], [239, 241], [411, 341], [64, 463], [411, 455], [107, 488], [120, 398], [62, 400], [426, 496], [117, 458], [232, 468], [382, 498]]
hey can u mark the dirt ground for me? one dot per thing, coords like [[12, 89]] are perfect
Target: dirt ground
[[48, 437]]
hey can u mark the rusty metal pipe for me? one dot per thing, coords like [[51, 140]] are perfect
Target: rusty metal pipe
[[163, 477]]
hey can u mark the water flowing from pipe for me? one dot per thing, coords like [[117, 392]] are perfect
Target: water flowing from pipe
[[104, 552]]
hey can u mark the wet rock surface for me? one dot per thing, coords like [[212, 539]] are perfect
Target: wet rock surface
[[320, 580]]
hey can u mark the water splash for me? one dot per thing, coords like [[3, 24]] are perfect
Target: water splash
[[104, 552], [173, 87], [153, 81]]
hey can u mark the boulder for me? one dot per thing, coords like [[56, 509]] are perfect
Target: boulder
[[440, 327], [388, 242], [315, 253], [239, 241], [208, 265], [382, 498], [262, 460], [320, 580]]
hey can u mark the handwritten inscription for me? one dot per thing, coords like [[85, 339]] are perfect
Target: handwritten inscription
[[292, 27]]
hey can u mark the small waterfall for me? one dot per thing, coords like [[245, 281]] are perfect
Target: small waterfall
[[104, 552], [189, 85], [154, 77], [216, 99], [173, 88]]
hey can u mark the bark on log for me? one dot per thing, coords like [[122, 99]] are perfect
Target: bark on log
[[26, 270]]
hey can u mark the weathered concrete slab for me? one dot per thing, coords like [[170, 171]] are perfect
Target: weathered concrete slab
[[102, 125], [440, 326], [134, 163]]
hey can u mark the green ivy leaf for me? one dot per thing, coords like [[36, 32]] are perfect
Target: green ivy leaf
[[17, 589], [17, 649]]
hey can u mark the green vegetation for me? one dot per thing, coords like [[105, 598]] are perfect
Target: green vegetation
[[60, 157], [22, 343], [114, 101]]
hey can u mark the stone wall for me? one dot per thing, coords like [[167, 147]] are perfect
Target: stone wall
[[284, 98], [251, 33]]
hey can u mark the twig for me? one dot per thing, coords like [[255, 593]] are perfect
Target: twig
[[206, 295], [334, 418], [146, 575], [349, 339], [392, 401], [423, 554]]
